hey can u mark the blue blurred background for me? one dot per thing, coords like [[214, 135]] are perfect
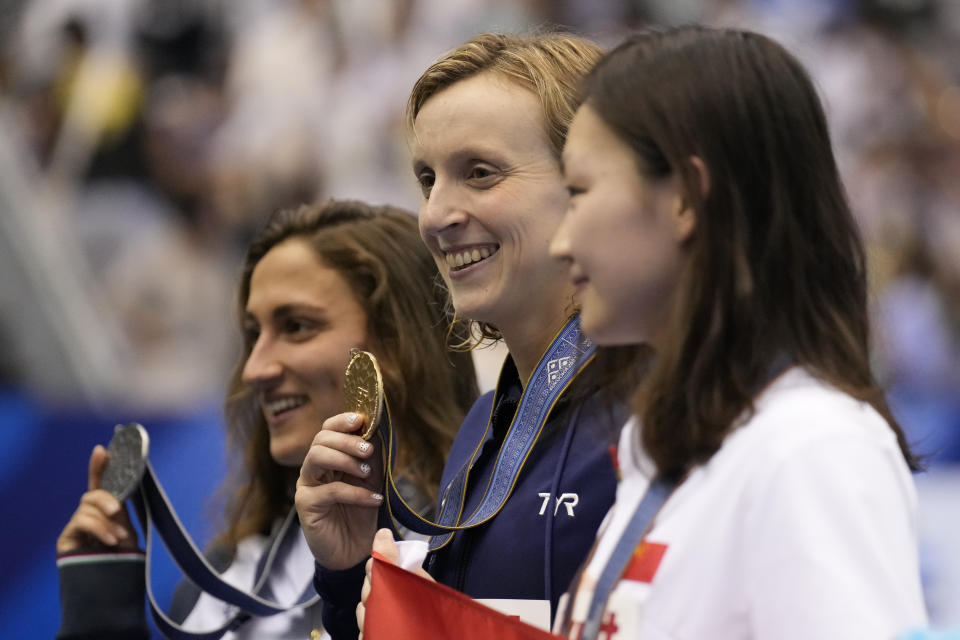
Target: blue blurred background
[[142, 141], [43, 457]]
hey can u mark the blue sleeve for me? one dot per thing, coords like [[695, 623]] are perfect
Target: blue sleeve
[[340, 591], [102, 597]]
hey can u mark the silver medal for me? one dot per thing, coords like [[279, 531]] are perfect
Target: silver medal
[[127, 460]]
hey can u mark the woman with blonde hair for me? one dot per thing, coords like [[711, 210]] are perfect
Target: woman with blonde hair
[[529, 475]]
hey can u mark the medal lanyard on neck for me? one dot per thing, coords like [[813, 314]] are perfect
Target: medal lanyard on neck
[[155, 512], [569, 352], [658, 492]]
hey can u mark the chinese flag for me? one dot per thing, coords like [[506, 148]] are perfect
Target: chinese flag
[[404, 606], [645, 562]]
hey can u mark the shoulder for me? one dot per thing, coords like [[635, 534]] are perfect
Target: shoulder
[[809, 445], [799, 412], [805, 444], [829, 499]]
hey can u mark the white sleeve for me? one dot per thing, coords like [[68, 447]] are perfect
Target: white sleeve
[[832, 544]]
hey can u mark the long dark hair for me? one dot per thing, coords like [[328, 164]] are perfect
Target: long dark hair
[[776, 264], [378, 252]]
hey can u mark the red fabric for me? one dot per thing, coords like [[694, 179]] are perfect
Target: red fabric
[[645, 562], [404, 606]]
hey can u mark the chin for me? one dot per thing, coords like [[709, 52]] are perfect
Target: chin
[[593, 328], [473, 311], [603, 333], [287, 457]]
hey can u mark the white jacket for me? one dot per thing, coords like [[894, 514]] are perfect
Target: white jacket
[[801, 526]]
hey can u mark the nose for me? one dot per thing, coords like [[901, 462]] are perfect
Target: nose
[[443, 209], [262, 368], [560, 244]]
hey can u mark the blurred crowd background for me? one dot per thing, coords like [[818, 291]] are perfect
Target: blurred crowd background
[[143, 141]]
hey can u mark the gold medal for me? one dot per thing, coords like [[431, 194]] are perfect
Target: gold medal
[[363, 389]]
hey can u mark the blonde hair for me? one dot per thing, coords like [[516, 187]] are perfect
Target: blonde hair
[[550, 64]]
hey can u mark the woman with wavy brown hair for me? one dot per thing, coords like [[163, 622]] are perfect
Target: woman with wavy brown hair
[[766, 488], [382, 261], [316, 282]]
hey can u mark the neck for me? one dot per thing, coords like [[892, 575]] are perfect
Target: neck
[[527, 342]]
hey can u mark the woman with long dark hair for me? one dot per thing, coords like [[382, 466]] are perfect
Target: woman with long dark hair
[[766, 488]]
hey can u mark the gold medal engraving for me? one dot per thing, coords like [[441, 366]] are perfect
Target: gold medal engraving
[[363, 389]]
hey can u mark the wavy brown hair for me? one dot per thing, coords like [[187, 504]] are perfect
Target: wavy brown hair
[[377, 250], [776, 265], [550, 64]]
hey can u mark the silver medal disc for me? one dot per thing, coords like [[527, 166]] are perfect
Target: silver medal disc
[[127, 460]]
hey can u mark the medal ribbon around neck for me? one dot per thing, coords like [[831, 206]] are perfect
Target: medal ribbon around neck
[[568, 354], [657, 493], [132, 475], [155, 512]]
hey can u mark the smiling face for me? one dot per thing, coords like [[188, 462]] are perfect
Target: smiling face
[[301, 320], [623, 235], [493, 195]]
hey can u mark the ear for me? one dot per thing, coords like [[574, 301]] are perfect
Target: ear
[[685, 218], [703, 175]]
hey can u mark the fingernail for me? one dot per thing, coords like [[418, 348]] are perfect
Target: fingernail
[[364, 446], [364, 468], [120, 533], [376, 496], [113, 508], [352, 418]]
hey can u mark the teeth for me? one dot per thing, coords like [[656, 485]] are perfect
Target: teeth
[[469, 256], [285, 404]]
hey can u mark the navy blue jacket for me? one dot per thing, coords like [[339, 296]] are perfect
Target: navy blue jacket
[[534, 546]]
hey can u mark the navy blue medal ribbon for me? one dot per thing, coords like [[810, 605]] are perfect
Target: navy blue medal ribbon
[[155, 512], [569, 352]]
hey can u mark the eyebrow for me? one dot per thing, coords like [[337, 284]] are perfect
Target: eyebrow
[[467, 154], [292, 309], [286, 310]]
